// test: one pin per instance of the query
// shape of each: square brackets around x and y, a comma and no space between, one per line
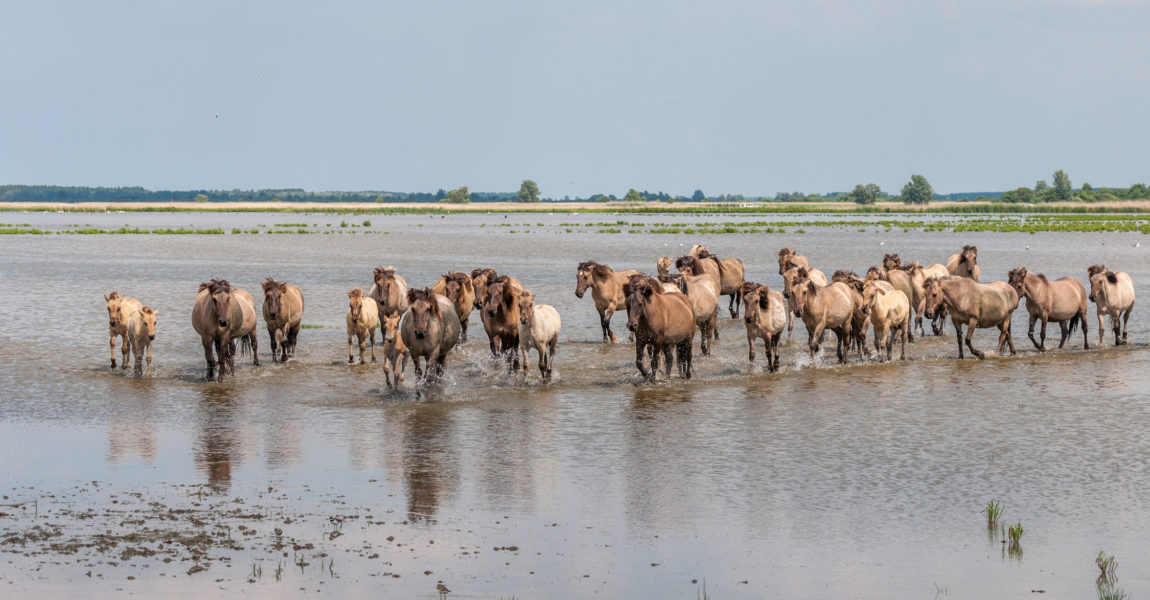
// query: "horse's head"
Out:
[873,274]
[498,295]
[583,277]
[1097,276]
[423,307]
[639,288]
[689,264]
[479,279]
[355,303]
[755,299]
[220,292]
[455,284]
[791,278]
[969,256]
[663,265]
[891,261]
[148,314]
[114,301]
[802,289]
[390,328]
[526,307]
[785,256]
[933,296]
[869,291]
[384,279]
[273,294]
[1017,280]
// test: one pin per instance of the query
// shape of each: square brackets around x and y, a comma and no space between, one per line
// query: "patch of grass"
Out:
[310,326]
[1108,565]
[367,222]
[992,511]
[1014,534]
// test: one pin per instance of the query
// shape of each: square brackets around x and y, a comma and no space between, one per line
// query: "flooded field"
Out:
[820,481]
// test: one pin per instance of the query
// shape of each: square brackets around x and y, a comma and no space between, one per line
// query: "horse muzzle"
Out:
[112,323]
[491,313]
[578,293]
[798,313]
[272,315]
[419,335]
[151,338]
[223,322]
[748,320]
[928,314]
[1092,299]
[787,295]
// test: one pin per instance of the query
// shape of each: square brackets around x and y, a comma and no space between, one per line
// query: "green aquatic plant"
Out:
[1108,565]
[992,511]
[1014,533]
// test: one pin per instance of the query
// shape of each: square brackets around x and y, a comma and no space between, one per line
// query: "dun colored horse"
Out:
[141,333]
[120,309]
[790,277]
[222,315]
[1113,294]
[704,297]
[788,260]
[694,266]
[283,312]
[860,322]
[974,306]
[822,308]
[889,311]
[901,281]
[539,326]
[458,288]
[394,352]
[660,321]
[481,277]
[965,263]
[429,329]
[918,275]
[501,320]
[663,265]
[765,317]
[389,291]
[606,290]
[732,277]
[1062,300]
[362,320]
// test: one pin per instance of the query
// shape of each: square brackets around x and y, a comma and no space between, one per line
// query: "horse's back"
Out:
[777,319]
[450,325]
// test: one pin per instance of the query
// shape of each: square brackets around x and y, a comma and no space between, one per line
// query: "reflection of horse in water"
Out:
[430,462]
[132,430]
[218,444]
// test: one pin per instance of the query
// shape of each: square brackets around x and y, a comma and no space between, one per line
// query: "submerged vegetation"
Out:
[992,511]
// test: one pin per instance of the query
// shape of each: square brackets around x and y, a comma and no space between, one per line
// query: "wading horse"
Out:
[221,316]
[661,322]
[606,287]
[1112,293]
[283,312]
[974,306]
[1062,301]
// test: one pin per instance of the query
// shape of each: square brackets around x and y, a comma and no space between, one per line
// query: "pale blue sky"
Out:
[583,97]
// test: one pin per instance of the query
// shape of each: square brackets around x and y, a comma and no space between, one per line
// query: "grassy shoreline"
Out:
[964,208]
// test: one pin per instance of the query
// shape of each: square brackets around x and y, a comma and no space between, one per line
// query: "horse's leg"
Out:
[605,317]
[124,350]
[1101,324]
[112,347]
[1065,333]
[970,329]
[656,352]
[751,350]
[272,343]
[1042,335]
[402,368]
[388,365]
[842,339]
[773,341]
[1125,320]
[1117,327]
[149,358]
[350,348]
[1030,332]
[668,356]
[639,359]
[512,345]
[551,347]
[209,357]
[371,339]
[1085,336]
[255,347]
[815,337]
[139,370]
[463,330]
[704,334]
[957,334]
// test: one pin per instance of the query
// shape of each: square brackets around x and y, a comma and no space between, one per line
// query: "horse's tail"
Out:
[246,344]
[1073,322]
[681,282]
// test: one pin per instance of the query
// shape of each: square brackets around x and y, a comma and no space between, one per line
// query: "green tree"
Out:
[602,198]
[632,196]
[1086,187]
[698,196]
[459,195]
[1022,194]
[201,198]
[917,190]
[865,194]
[528,191]
[1062,188]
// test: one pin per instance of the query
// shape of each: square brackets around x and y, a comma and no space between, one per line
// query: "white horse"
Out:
[362,319]
[539,330]
[141,333]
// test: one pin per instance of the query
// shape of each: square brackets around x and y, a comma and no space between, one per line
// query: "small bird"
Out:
[443,591]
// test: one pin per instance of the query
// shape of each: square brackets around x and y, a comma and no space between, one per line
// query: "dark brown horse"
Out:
[501,319]
[660,321]
[1062,301]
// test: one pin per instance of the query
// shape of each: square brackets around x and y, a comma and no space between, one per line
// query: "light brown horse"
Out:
[694,266]
[790,277]
[1112,293]
[430,329]
[973,305]
[788,260]
[918,275]
[1063,301]
[663,265]
[459,288]
[539,326]
[141,334]
[120,309]
[704,297]
[732,277]
[389,291]
[394,352]
[822,308]
[765,316]
[362,320]
[860,322]
[222,315]
[283,312]
[965,263]
[889,311]
[901,281]
[660,321]
[606,290]
[501,320]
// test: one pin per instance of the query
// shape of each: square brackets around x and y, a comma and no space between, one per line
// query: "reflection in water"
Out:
[218,444]
[133,431]
[430,460]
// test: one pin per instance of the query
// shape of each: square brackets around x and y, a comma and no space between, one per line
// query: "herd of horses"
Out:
[664,312]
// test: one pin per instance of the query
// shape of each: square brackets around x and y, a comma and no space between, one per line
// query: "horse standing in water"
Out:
[1062,301]
[429,329]
[283,312]
[120,309]
[1112,292]
[606,287]
[974,306]
[660,321]
[458,288]
[222,315]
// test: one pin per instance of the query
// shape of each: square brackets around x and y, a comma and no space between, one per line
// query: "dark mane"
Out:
[970,249]
[587,265]
[414,295]
[481,271]
[355,294]
[690,262]
[785,252]
[114,294]
[270,284]
[147,310]
[705,254]
[381,272]
[1016,275]
[457,277]
[675,278]
[216,286]
[1093,270]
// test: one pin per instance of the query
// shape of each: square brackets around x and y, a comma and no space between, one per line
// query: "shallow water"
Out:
[857,481]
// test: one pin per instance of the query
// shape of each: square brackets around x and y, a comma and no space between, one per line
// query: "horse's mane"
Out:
[148,310]
[844,276]
[113,295]
[675,278]
[355,294]
[414,295]
[641,279]
[785,252]
[270,283]
[457,277]
[691,263]
[970,249]
[750,286]
[705,254]
[1015,274]
[894,257]
[875,271]
[384,272]
[480,271]
[217,286]
[1093,270]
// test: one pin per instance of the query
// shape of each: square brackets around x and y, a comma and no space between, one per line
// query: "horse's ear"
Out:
[1112,277]
[411,296]
[433,302]
[468,285]
[812,289]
